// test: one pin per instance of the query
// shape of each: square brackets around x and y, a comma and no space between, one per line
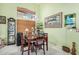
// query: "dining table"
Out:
[35,38]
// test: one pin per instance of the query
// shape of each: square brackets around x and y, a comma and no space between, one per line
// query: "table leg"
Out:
[46,43]
[28,46]
[43,47]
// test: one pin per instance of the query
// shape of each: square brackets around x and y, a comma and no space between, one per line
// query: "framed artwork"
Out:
[70,21]
[54,21]
[2,20]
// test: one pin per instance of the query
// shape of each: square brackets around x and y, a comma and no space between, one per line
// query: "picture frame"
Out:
[70,21]
[2,19]
[54,21]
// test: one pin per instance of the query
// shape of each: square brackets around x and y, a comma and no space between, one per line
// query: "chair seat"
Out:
[40,42]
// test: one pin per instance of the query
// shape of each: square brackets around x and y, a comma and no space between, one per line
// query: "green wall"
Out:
[61,36]
[57,36]
[10,10]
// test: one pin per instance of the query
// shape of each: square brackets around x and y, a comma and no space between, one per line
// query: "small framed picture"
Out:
[2,19]
[70,21]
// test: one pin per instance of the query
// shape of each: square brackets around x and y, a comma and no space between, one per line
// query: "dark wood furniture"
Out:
[36,40]
[36,45]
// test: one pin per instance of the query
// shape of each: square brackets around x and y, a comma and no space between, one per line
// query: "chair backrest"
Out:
[22,40]
[46,35]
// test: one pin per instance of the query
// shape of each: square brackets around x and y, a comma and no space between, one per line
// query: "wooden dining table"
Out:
[35,38]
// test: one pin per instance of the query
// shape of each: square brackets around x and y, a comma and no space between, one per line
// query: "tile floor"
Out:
[15,50]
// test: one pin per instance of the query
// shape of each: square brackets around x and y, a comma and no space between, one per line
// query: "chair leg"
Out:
[29,46]
[47,46]
[28,50]
[22,51]
[43,48]
[36,50]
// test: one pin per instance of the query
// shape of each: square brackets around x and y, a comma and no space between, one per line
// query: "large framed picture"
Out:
[54,21]
[70,21]
[2,19]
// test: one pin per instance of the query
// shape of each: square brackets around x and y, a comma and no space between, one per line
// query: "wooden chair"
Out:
[23,44]
[36,44]
[39,43]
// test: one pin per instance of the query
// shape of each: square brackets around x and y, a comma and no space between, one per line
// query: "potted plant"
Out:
[40,28]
